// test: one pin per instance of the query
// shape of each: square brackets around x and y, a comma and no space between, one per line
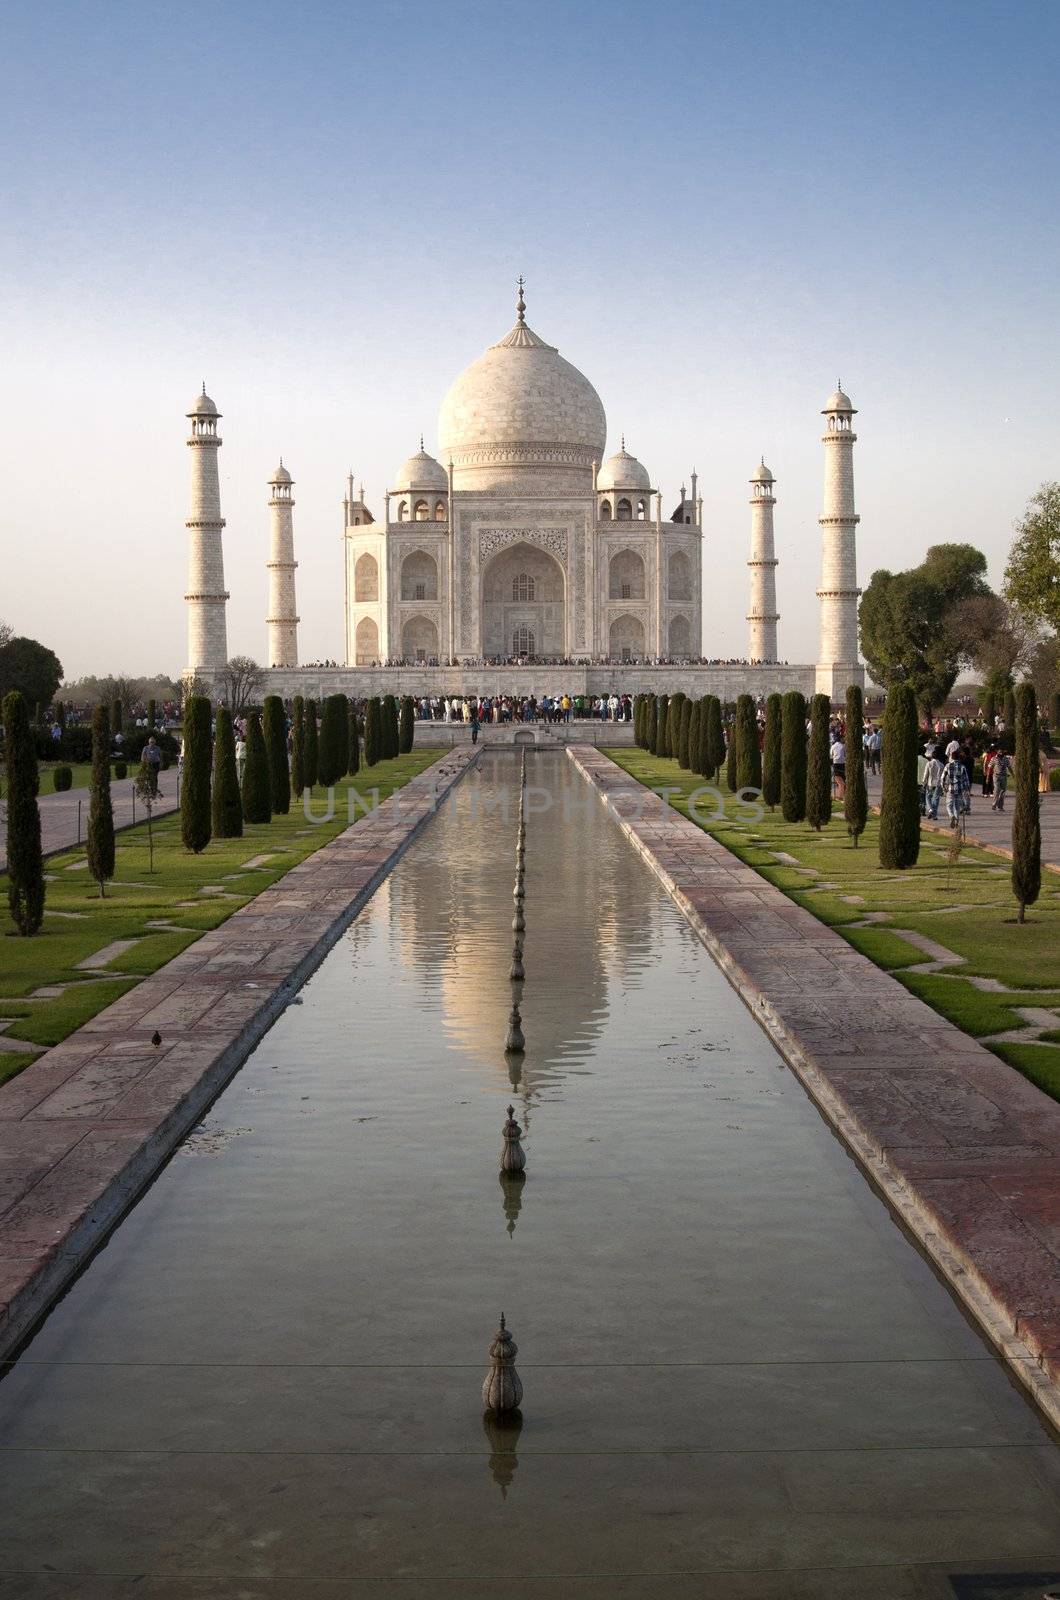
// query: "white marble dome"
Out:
[623,471]
[837,401]
[421,471]
[762,474]
[202,406]
[521,414]
[281,475]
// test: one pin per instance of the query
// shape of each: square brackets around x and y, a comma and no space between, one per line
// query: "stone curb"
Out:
[1028,1342]
[81,1186]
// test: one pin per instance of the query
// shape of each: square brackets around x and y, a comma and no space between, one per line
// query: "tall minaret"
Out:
[837,659]
[206,596]
[762,613]
[282,620]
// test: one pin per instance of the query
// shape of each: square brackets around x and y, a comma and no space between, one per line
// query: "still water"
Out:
[740,1378]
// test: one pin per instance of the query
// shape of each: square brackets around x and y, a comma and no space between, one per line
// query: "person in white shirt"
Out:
[838,754]
[932,783]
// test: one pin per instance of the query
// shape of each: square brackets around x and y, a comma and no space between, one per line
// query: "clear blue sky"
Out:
[321,210]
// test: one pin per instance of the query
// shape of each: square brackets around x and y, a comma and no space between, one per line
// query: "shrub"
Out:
[121,769]
[275,735]
[256,791]
[900,800]
[855,797]
[25,862]
[354,740]
[407,725]
[227,805]
[819,767]
[748,755]
[1026,821]
[311,744]
[99,839]
[62,779]
[371,734]
[793,756]
[771,753]
[195,783]
[334,755]
[297,746]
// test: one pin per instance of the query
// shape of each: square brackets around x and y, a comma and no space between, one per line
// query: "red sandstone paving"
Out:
[974,1142]
[76,1123]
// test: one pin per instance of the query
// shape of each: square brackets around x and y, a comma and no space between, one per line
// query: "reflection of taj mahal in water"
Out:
[521,542]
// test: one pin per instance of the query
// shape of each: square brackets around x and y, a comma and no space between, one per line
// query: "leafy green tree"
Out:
[906,632]
[793,756]
[275,733]
[748,756]
[771,753]
[25,862]
[662,712]
[715,737]
[819,765]
[855,795]
[900,799]
[311,744]
[407,725]
[145,787]
[30,669]
[195,782]
[1026,821]
[354,740]
[99,838]
[297,746]
[334,755]
[226,804]
[1032,576]
[372,734]
[256,789]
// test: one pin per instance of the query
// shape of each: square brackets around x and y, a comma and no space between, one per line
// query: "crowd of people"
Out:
[504,708]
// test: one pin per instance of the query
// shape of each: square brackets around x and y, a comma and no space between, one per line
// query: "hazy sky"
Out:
[321,209]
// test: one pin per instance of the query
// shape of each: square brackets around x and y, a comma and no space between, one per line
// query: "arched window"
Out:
[605,510]
[403,511]
[625,511]
[522,588]
[439,511]
[366,578]
[642,510]
[421,511]
[523,642]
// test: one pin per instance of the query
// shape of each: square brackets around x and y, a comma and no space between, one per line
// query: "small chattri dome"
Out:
[203,406]
[762,474]
[421,471]
[281,475]
[623,471]
[838,401]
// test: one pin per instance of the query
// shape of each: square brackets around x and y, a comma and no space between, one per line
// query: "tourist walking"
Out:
[838,755]
[957,789]
[474,721]
[241,756]
[1002,768]
[152,760]
[932,783]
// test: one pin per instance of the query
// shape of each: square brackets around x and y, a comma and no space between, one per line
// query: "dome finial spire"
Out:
[520,304]
[623,441]
[421,443]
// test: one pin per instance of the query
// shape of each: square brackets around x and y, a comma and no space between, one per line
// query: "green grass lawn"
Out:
[77,923]
[965,905]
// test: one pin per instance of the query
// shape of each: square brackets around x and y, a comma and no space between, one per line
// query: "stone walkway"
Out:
[85,1128]
[965,1150]
[62,828]
[993,829]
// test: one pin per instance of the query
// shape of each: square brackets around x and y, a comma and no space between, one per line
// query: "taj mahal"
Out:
[523,554]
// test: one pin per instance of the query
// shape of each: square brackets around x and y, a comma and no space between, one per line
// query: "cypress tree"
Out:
[819,765]
[256,792]
[900,800]
[730,760]
[748,755]
[855,797]
[353,728]
[195,783]
[636,719]
[407,726]
[150,716]
[1026,821]
[651,723]
[715,737]
[1010,709]
[703,741]
[771,753]
[684,735]
[275,732]
[334,756]
[793,756]
[989,708]
[226,807]
[117,720]
[99,838]
[371,733]
[673,725]
[312,748]
[663,712]
[695,713]
[297,746]
[25,862]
